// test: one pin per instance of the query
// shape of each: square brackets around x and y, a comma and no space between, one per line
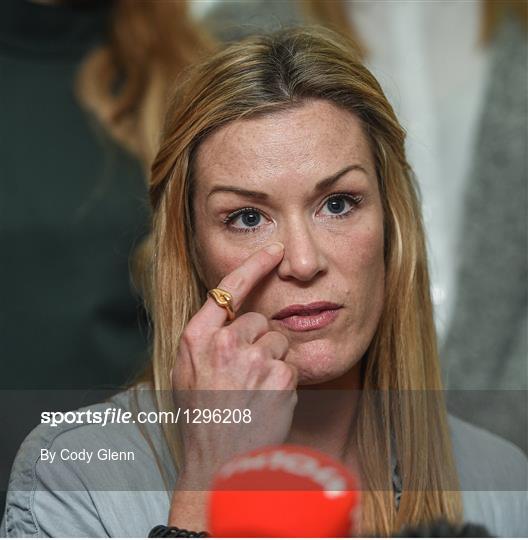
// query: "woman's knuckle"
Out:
[225,340]
[233,282]
[190,337]
[255,355]
[260,319]
[282,340]
[283,374]
[278,339]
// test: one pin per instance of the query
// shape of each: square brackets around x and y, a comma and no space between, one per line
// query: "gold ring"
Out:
[223,299]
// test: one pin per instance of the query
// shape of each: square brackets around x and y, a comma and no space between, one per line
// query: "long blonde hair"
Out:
[258,76]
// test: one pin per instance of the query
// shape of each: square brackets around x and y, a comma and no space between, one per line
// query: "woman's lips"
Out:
[314,321]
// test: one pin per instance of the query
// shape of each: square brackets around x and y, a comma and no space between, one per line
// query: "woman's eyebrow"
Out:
[322,185]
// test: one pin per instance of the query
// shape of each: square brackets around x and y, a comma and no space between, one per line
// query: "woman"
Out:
[284,141]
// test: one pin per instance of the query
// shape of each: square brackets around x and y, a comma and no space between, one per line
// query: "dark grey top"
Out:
[127,498]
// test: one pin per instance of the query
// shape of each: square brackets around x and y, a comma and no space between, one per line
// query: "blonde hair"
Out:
[259,76]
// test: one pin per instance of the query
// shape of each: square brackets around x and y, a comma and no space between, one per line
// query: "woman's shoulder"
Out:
[493,475]
[87,478]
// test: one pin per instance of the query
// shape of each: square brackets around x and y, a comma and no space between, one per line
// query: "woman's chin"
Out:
[318,364]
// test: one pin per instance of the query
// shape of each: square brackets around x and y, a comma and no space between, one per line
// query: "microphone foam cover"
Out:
[284,491]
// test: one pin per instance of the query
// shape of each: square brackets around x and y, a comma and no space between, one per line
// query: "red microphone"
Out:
[284,491]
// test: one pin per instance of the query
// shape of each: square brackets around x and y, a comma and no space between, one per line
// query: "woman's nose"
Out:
[303,254]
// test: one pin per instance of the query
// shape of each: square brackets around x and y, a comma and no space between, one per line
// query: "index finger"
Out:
[239,283]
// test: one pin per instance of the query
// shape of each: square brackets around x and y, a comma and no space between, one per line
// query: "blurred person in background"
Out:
[486,347]
[456,74]
[83,87]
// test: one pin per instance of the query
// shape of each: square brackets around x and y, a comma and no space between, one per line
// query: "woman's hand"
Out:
[235,367]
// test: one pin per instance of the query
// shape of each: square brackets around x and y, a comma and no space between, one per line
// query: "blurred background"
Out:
[82,96]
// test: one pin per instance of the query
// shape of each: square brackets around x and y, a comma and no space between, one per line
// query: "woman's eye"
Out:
[337,203]
[248,219]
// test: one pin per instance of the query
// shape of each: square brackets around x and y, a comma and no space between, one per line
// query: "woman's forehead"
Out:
[315,140]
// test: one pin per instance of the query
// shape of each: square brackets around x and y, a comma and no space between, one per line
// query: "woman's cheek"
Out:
[369,244]
[358,252]
[220,263]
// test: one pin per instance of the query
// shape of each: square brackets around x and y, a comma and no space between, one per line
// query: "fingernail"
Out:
[275,248]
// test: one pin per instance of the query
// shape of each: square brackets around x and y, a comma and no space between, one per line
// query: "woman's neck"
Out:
[325,414]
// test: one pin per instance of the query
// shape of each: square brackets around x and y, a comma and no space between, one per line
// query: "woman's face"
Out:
[333,236]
